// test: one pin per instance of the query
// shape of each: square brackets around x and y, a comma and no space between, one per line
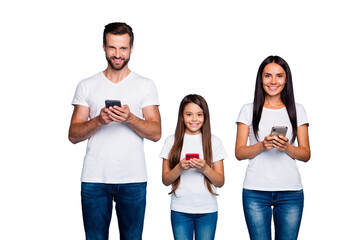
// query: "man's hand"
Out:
[118,114]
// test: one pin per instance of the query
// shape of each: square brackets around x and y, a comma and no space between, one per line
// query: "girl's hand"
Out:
[281,142]
[184,164]
[198,163]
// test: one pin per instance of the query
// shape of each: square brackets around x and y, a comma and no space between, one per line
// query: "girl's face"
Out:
[273,79]
[193,118]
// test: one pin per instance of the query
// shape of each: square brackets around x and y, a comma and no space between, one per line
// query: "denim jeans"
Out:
[260,206]
[184,225]
[97,204]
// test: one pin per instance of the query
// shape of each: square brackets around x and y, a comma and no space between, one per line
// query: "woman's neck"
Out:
[273,102]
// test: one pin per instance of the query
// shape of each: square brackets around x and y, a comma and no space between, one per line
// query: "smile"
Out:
[273,88]
[118,60]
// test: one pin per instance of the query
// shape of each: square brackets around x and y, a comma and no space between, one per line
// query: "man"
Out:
[114,165]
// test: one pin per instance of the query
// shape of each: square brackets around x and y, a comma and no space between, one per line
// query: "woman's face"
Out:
[273,79]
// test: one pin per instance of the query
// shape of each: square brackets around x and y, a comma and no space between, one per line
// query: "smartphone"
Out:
[188,156]
[111,103]
[281,130]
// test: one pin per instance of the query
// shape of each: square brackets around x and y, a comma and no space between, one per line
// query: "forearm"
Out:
[79,132]
[299,153]
[217,179]
[145,128]
[247,152]
[170,177]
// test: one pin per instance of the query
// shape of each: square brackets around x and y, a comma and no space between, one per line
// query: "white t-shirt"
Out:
[272,170]
[192,195]
[115,153]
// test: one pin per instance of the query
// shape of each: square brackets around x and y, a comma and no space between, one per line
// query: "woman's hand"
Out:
[268,142]
[276,141]
[281,142]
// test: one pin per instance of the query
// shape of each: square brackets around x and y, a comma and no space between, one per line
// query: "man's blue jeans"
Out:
[286,206]
[185,224]
[97,204]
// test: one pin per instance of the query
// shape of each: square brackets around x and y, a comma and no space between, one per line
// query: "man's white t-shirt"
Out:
[115,153]
[271,170]
[192,195]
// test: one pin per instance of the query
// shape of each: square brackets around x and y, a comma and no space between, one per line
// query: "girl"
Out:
[193,200]
[272,177]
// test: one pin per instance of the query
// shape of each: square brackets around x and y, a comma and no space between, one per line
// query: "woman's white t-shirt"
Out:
[271,170]
[192,195]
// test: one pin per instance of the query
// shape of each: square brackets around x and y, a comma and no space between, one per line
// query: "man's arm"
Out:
[81,128]
[150,128]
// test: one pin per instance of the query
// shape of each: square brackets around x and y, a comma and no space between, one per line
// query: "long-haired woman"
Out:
[272,186]
[194,180]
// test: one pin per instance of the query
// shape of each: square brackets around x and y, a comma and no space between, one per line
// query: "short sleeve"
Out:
[245,115]
[151,95]
[218,149]
[301,115]
[169,142]
[80,95]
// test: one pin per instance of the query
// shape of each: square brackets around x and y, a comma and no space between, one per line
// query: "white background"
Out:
[212,48]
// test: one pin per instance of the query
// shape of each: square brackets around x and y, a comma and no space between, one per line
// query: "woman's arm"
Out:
[302,152]
[242,151]
[170,175]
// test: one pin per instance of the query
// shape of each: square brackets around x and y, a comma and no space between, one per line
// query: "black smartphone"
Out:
[281,130]
[111,103]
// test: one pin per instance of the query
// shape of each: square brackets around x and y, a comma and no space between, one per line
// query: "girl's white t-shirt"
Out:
[192,195]
[272,170]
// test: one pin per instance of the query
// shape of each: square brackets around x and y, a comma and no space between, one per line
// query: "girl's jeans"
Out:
[185,224]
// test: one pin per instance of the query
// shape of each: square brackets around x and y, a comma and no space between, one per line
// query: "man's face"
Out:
[117,50]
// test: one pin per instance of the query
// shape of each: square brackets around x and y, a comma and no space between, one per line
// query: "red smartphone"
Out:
[188,156]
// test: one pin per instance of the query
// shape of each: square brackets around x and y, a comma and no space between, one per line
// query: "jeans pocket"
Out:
[297,193]
[249,190]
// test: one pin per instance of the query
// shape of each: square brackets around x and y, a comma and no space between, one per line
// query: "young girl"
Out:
[272,184]
[193,200]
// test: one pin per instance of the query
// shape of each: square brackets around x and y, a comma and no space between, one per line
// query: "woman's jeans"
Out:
[97,204]
[286,206]
[184,225]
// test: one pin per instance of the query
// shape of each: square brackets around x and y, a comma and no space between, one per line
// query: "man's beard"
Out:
[118,68]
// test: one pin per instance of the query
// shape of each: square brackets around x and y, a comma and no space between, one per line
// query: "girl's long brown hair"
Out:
[175,152]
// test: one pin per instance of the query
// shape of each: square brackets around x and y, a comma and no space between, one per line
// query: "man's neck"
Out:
[116,76]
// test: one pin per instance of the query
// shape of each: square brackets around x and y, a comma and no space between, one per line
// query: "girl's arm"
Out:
[170,175]
[214,174]
[242,151]
[302,152]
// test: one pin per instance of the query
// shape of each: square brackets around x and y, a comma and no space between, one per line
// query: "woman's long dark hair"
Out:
[175,152]
[287,96]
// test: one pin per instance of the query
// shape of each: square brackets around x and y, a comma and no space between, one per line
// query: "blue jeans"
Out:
[184,225]
[97,204]
[286,206]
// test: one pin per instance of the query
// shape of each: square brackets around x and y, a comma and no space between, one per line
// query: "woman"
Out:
[272,183]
